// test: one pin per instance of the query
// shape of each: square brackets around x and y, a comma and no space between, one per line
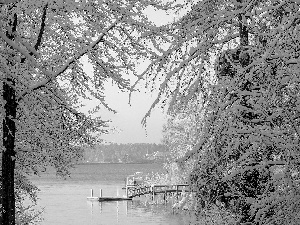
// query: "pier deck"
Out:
[136,188]
[108,199]
[139,190]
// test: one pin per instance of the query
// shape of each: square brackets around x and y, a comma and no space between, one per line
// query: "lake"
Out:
[65,202]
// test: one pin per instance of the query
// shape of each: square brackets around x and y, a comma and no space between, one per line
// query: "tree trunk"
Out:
[8,154]
[9,130]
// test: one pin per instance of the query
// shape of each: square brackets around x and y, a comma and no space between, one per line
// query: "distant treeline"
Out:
[125,153]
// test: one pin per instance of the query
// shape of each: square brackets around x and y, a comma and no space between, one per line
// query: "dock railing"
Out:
[136,188]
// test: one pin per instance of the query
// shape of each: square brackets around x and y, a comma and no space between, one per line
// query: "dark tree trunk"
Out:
[8,155]
[9,130]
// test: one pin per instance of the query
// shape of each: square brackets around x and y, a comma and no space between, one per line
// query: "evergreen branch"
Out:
[292,123]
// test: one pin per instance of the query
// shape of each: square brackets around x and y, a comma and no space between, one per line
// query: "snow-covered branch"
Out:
[51,76]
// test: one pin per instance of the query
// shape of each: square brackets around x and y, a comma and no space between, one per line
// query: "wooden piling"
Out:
[153,192]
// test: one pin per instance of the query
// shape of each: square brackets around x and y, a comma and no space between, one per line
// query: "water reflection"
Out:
[137,212]
[65,201]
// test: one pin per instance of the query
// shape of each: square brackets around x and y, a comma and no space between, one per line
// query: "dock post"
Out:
[91,192]
[153,192]
[165,198]
[100,193]
[126,186]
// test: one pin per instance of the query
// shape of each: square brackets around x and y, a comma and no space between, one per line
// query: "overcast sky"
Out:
[127,120]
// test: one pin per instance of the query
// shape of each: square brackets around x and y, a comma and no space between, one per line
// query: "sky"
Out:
[127,121]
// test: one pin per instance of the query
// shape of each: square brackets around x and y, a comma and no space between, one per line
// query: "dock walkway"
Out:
[139,190]
[137,187]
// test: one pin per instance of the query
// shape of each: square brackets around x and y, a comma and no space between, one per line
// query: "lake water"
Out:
[65,201]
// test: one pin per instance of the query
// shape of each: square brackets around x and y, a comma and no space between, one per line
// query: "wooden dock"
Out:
[139,190]
[108,199]
[136,188]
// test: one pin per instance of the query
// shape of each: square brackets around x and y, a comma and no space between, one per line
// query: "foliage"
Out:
[215,215]
[42,45]
[27,211]
[181,135]
[157,178]
[250,100]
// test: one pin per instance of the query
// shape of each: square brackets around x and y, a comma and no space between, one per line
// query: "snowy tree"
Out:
[42,47]
[180,135]
[248,155]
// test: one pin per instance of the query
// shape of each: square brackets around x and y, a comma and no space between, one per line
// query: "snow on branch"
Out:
[31,50]
[49,75]
[18,48]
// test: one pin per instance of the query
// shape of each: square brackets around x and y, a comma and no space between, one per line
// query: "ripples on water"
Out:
[65,200]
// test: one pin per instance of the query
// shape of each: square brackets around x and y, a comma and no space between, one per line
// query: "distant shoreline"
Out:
[83,163]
